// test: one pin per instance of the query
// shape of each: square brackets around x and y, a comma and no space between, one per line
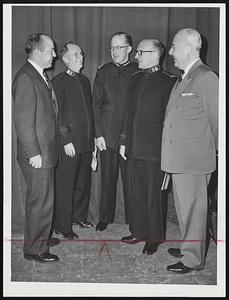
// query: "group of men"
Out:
[141,119]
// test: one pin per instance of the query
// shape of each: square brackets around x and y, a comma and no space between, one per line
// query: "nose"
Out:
[53,53]
[171,51]
[136,55]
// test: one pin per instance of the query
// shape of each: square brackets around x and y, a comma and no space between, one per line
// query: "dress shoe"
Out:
[68,236]
[131,240]
[42,257]
[53,242]
[101,226]
[150,248]
[84,224]
[175,252]
[180,268]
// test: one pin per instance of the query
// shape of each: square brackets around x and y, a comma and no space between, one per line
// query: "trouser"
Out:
[38,208]
[148,205]
[190,197]
[110,163]
[72,190]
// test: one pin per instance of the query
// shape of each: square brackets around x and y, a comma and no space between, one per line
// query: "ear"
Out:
[65,59]
[129,49]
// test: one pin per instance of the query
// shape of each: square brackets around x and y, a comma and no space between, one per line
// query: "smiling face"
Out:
[180,51]
[73,58]
[120,49]
[47,52]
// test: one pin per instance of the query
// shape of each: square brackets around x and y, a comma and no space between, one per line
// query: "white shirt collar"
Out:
[189,67]
[38,68]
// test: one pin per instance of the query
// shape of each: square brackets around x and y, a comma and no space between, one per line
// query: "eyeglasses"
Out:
[139,52]
[118,48]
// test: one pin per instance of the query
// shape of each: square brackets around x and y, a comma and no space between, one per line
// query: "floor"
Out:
[100,257]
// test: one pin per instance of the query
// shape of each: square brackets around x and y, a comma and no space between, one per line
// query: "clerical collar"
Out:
[122,65]
[71,73]
[152,69]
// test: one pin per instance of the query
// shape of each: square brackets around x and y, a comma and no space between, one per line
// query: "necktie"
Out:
[51,90]
[179,78]
[47,80]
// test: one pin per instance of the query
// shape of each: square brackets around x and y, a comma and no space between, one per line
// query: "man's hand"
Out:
[101,144]
[36,161]
[122,151]
[69,150]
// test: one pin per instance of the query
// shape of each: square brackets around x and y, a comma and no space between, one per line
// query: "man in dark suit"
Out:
[109,95]
[189,145]
[147,97]
[73,173]
[35,116]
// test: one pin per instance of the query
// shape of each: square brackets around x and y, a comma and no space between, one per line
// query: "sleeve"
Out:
[63,119]
[24,114]
[210,95]
[98,99]
[125,120]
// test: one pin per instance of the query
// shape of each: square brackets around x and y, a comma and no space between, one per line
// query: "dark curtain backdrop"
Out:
[91,28]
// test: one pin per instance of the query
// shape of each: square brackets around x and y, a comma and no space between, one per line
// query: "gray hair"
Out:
[193,37]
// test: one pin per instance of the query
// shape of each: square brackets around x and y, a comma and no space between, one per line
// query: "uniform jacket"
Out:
[35,117]
[75,111]
[190,131]
[147,97]
[109,96]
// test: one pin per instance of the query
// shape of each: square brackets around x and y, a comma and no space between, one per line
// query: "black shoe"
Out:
[68,236]
[175,252]
[131,240]
[53,242]
[150,248]
[42,257]
[101,226]
[84,224]
[180,268]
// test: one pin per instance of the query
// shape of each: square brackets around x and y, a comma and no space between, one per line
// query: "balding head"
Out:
[185,47]
[148,53]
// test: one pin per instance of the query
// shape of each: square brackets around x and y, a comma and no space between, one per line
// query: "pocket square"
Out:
[187,94]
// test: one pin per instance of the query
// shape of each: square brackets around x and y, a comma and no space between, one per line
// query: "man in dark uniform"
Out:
[73,174]
[109,96]
[147,97]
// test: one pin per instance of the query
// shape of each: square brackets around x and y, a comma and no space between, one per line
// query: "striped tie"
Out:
[47,80]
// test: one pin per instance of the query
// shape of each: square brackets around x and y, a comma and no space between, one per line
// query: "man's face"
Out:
[119,49]
[74,58]
[146,59]
[179,51]
[48,52]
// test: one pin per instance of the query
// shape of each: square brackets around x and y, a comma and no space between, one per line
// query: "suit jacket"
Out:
[109,97]
[35,116]
[190,133]
[147,97]
[75,111]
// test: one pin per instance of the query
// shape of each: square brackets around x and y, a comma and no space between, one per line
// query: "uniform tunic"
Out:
[148,94]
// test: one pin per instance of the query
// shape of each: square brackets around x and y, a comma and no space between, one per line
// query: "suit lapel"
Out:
[180,87]
[51,93]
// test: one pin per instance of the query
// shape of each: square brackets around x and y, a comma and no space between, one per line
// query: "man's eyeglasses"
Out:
[139,52]
[118,48]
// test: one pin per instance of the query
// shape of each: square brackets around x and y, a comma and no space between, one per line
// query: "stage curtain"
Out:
[91,28]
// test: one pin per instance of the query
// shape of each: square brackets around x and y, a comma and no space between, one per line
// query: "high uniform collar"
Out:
[152,69]
[71,73]
[122,65]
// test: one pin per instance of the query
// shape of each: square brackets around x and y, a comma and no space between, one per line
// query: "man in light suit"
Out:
[35,116]
[189,145]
